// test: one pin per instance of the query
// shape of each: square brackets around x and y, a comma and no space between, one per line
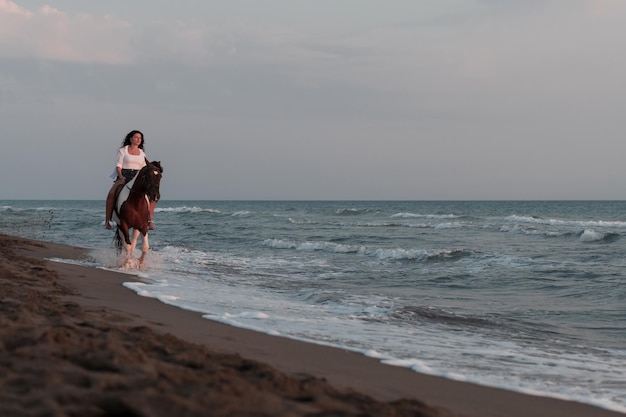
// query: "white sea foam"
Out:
[297,221]
[242,213]
[246,315]
[591,236]
[561,222]
[373,354]
[426,216]
[185,209]
[352,211]
[311,246]
[449,225]
[398,254]
[384,254]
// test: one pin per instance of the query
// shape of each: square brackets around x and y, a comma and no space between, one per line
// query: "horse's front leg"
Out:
[130,249]
[133,242]
[145,247]
[123,230]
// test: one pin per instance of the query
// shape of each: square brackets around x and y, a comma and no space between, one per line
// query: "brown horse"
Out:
[132,209]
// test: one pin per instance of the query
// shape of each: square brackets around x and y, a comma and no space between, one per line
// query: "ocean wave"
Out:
[295,221]
[444,225]
[586,235]
[450,225]
[559,222]
[12,209]
[424,216]
[383,254]
[590,235]
[354,211]
[435,315]
[419,254]
[380,224]
[186,209]
[396,224]
[532,230]
[242,213]
[311,246]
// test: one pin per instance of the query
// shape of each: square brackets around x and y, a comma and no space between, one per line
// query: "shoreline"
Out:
[359,380]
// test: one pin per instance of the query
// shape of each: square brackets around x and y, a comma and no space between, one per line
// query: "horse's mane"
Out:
[155,164]
[152,165]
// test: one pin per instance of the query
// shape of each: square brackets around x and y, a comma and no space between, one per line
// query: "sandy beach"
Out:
[75,342]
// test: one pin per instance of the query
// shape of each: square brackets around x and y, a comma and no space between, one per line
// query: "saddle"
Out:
[122,191]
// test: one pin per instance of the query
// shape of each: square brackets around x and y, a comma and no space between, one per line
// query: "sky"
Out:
[317,99]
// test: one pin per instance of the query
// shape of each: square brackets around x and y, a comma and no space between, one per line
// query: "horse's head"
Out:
[154,172]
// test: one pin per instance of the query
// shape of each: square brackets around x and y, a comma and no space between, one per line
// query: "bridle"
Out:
[153,195]
[150,191]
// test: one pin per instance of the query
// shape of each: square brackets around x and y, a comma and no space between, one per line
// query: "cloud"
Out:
[490,58]
[9,7]
[48,33]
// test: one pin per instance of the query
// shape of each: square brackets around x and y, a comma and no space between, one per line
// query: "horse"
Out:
[132,210]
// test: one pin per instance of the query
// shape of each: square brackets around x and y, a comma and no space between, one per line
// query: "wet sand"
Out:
[75,342]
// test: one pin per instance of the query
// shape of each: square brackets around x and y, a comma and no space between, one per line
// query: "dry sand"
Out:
[75,342]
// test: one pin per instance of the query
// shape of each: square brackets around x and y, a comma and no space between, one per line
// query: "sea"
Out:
[528,296]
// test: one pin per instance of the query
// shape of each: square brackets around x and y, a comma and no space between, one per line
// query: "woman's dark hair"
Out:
[129,137]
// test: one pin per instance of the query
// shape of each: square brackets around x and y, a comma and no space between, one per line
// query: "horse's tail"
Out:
[118,240]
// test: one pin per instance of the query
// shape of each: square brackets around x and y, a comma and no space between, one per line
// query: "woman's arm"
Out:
[120,162]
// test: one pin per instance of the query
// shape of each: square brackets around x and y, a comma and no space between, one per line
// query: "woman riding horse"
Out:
[130,159]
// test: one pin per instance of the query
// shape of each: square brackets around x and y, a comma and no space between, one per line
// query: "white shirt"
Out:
[128,161]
